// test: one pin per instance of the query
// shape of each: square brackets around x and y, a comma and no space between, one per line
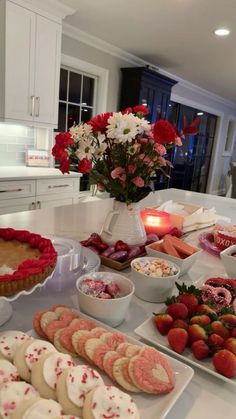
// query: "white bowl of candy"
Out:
[105,296]
[228,257]
[154,278]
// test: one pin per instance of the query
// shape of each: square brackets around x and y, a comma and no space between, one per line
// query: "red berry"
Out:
[215,342]
[228,319]
[233,333]
[200,349]
[178,339]
[180,323]
[177,311]
[204,309]
[163,323]
[224,362]
[218,328]
[196,332]
[190,301]
[230,344]
[201,319]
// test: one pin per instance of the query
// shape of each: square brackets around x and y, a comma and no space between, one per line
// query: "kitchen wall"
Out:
[95,51]
[14,141]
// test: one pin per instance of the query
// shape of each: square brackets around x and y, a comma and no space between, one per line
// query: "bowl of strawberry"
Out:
[200,324]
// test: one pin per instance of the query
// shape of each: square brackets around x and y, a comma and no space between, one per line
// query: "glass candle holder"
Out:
[154,221]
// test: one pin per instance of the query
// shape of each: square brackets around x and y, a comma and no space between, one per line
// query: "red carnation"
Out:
[126,111]
[141,109]
[64,139]
[65,166]
[164,132]
[59,152]
[84,166]
[99,122]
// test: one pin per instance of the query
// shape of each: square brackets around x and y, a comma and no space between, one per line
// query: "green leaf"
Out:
[183,289]
[171,300]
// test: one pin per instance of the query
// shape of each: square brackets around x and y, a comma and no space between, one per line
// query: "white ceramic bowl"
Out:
[229,261]
[184,264]
[111,311]
[153,289]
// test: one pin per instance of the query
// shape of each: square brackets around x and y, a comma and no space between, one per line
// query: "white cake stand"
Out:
[5,302]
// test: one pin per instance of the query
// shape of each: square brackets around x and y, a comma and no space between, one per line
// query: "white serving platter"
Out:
[148,331]
[151,406]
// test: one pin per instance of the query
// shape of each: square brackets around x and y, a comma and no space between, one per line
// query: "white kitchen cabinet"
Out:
[8,206]
[30,48]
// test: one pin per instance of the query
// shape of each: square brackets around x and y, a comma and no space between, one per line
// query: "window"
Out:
[76,98]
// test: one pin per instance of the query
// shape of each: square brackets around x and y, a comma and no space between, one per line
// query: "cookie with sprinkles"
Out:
[10,340]
[109,402]
[73,385]
[12,394]
[8,372]
[37,409]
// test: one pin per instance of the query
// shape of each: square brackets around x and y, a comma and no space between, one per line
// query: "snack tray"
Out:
[149,405]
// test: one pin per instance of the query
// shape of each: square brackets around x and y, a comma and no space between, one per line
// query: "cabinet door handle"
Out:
[57,186]
[37,99]
[39,204]
[32,107]
[33,205]
[11,190]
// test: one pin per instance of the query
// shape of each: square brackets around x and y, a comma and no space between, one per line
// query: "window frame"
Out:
[229,135]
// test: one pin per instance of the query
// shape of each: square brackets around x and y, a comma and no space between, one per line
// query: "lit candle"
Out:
[154,221]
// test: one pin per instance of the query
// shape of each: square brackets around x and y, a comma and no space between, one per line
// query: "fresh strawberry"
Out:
[224,362]
[229,320]
[200,349]
[189,296]
[196,332]
[215,342]
[120,245]
[177,311]
[233,333]
[180,323]
[201,319]
[218,328]
[205,309]
[230,344]
[178,339]
[163,322]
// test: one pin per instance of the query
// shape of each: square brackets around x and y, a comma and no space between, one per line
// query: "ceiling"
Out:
[175,35]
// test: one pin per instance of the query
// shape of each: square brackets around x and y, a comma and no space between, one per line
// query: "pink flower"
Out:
[162,161]
[160,149]
[138,181]
[117,172]
[132,168]
[178,141]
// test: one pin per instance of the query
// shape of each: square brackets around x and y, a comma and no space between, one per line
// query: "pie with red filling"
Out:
[25,260]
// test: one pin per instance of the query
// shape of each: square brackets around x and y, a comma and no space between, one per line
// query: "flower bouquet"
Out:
[120,150]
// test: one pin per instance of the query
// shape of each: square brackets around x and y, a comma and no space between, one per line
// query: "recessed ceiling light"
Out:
[200,113]
[222,32]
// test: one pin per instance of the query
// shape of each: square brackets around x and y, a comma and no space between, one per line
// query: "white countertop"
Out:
[205,396]
[23,172]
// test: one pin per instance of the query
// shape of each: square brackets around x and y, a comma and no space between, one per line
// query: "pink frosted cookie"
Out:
[12,394]
[132,350]
[8,372]
[109,402]
[45,373]
[95,349]
[121,375]
[68,315]
[37,325]
[37,409]
[29,353]
[46,319]
[121,348]
[151,372]
[113,339]
[73,385]
[66,333]
[78,341]
[98,331]
[55,325]
[10,341]
[109,358]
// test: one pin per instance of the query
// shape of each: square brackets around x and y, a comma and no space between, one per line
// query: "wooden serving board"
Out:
[119,266]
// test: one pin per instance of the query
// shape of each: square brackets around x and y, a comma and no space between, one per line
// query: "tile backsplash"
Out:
[14,141]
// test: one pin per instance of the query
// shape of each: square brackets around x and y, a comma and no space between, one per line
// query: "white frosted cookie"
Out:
[109,402]
[29,353]
[46,370]
[8,372]
[68,417]
[37,409]
[9,342]
[121,374]
[73,385]
[12,394]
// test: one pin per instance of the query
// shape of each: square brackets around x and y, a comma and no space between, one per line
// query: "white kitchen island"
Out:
[205,396]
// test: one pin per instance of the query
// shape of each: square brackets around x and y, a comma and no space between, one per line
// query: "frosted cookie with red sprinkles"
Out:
[46,370]
[151,372]
[73,385]
[67,417]
[29,353]
[37,409]
[108,402]
[8,372]
[12,394]
[10,341]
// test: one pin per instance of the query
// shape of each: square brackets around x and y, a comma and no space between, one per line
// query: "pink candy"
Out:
[99,288]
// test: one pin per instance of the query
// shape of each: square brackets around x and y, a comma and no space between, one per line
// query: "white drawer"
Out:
[55,186]
[17,189]
[8,206]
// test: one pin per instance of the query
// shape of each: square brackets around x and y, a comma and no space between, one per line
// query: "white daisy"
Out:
[142,125]
[86,150]
[122,128]
[99,151]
